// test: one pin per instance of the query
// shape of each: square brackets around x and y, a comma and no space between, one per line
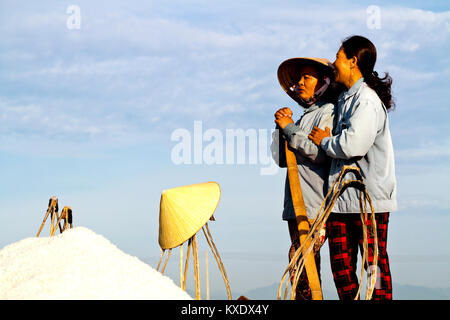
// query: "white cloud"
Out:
[31,120]
[126,71]
[426,152]
[407,203]
[408,45]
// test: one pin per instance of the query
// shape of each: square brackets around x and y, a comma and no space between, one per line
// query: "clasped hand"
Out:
[283,117]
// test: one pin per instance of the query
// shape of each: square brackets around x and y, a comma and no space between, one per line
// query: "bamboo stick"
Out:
[196,268]
[186,264]
[53,220]
[160,259]
[181,266]
[206,274]
[167,259]
[215,252]
[43,222]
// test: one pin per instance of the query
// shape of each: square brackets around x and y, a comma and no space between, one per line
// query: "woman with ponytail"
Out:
[361,138]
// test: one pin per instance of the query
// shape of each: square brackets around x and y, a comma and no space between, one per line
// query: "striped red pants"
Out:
[345,235]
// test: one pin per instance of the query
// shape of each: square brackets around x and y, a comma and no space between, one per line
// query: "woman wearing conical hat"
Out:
[309,82]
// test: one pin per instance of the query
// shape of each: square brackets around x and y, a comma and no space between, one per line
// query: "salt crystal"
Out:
[79,264]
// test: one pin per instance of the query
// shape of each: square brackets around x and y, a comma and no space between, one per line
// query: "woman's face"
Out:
[309,80]
[342,67]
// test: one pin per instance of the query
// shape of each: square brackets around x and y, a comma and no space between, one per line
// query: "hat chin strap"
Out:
[316,94]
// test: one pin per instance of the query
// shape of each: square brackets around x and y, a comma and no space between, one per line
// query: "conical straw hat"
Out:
[184,211]
[288,71]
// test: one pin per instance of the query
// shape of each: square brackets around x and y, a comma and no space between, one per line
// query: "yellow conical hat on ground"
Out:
[184,211]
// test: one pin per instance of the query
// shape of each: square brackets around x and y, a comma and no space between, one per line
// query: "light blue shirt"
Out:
[362,138]
[313,164]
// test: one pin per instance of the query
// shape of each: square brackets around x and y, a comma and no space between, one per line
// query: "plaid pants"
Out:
[345,235]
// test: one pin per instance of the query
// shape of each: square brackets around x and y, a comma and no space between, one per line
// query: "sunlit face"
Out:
[342,67]
[308,83]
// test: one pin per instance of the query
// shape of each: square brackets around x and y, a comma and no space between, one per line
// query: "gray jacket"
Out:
[313,164]
[362,138]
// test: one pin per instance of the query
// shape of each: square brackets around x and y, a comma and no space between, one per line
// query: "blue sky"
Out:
[87,115]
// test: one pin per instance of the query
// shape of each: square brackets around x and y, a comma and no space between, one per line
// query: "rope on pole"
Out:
[297,262]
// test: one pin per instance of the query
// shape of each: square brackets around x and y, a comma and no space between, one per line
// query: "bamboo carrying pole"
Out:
[302,223]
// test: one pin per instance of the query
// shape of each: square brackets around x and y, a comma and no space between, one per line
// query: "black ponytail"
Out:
[366,53]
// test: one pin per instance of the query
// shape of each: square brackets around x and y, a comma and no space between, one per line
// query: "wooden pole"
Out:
[302,222]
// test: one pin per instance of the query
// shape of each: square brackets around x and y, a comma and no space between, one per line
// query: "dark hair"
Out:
[334,89]
[366,53]
[333,92]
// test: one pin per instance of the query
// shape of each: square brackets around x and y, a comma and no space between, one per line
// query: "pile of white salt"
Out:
[79,264]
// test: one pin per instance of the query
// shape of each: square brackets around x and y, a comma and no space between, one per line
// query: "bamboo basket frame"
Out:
[192,244]
[52,210]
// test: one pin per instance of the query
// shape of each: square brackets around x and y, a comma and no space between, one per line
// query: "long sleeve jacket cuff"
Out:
[289,130]
[323,143]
